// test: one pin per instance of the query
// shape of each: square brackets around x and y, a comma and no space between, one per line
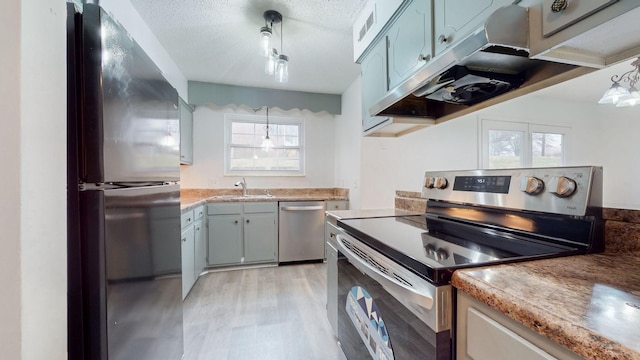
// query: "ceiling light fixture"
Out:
[274,64]
[621,96]
[267,144]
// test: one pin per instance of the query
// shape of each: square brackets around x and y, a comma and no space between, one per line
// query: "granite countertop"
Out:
[192,198]
[589,303]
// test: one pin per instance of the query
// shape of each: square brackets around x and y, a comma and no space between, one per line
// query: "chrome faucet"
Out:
[243,183]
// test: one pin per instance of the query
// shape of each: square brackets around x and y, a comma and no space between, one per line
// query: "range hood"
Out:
[488,66]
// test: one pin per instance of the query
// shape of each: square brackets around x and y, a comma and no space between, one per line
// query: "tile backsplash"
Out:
[621,226]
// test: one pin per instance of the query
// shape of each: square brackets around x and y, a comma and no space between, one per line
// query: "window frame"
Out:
[261,120]
[528,129]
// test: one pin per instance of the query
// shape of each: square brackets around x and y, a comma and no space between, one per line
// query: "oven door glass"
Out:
[372,324]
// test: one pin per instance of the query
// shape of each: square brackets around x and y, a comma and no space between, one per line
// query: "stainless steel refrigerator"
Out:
[124,263]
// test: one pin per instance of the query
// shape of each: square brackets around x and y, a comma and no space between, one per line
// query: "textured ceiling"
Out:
[217,40]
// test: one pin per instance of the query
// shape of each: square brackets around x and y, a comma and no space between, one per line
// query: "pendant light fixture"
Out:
[267,144]
[275,63]
[618,94]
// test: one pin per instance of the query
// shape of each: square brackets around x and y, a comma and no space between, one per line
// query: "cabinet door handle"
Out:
[184,239]
[247,221]
[442,39]
[424,57]
[235,222]
[301,208]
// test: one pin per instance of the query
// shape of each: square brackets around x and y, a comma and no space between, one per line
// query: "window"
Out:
[511,145]
[244,155]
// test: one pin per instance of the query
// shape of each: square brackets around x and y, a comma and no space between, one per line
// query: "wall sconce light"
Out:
[274,63]
[618,94]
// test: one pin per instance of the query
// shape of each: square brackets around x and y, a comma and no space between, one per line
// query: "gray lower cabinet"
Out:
[242,233]
[225,239]
[482,333]
[200,234]
[187,242]
[332,276]
[193,245]
[259,237]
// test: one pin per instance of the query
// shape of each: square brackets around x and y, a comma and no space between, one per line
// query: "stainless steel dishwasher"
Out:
[301,231]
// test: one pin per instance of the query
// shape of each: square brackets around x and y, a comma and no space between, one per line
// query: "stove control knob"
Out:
[562,186]
[431,250]
[429,182]
[532,185]
[442,254]
[440,183]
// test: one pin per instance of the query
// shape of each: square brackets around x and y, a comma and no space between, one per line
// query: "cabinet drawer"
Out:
[337,205]
[198,213]
[226,208]
[186,218]
[481,331]
[260,207]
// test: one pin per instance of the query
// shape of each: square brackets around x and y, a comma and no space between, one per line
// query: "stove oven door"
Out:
[380,317]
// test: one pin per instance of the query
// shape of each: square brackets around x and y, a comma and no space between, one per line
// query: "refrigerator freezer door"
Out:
[131,127]
[137,300]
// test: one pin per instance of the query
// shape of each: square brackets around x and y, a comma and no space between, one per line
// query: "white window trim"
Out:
[527,128]
[229,118]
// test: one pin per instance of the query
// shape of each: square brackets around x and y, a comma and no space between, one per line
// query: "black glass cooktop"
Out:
[434,248]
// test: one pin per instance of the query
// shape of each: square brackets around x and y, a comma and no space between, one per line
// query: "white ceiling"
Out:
[217,40]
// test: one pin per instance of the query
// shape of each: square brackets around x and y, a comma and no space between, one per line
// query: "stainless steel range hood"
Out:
[499,47]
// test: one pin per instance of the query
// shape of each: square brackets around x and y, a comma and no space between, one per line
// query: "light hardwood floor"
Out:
[263,313]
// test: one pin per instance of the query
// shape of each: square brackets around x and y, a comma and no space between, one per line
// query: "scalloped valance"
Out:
[201,93]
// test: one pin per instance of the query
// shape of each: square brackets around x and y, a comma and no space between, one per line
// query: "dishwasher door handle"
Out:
[302,208]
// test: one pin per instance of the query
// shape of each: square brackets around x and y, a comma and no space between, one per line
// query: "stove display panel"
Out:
[487,184]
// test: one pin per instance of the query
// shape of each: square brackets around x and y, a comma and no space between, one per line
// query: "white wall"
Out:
[10,274]
[207,170]
[601,135]
[347,146]
[33,191]
[617,145]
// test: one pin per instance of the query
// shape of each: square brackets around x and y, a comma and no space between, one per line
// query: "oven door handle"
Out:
[392,285]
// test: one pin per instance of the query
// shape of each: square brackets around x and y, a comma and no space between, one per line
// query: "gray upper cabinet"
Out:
[453,20]
[370,22]
[186,133]
[374,82]
[410,41]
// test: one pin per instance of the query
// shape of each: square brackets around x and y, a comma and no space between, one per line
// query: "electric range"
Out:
[397,269]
